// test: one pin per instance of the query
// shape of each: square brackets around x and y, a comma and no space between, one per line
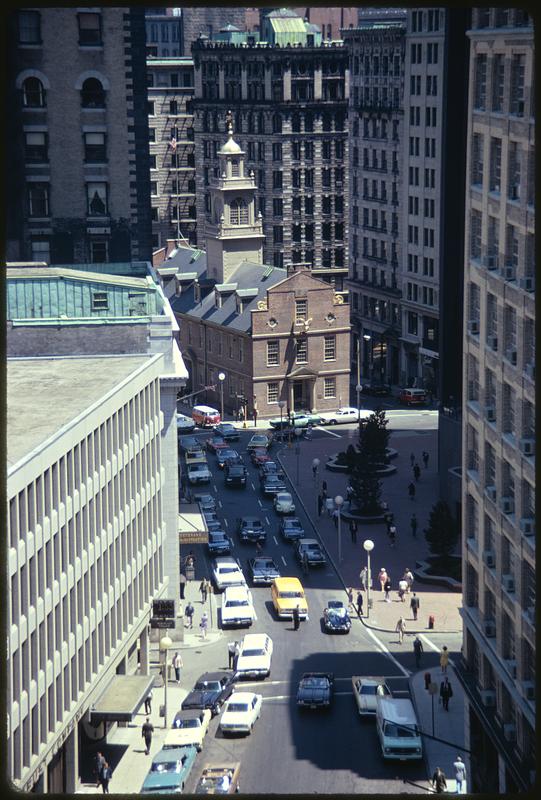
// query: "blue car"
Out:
[169,770]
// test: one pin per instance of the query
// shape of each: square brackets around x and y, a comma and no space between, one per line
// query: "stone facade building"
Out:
[79,192]
[498,405]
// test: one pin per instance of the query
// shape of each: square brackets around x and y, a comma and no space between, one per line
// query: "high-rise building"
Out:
[498,405]
[290,120]
[206,21]
[78,186]
[163,33]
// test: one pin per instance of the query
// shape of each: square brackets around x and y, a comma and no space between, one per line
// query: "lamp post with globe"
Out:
[368,545]
[165,643]
[338,501]
[221,378]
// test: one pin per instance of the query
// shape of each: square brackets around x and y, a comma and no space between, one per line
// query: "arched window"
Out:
[277,123]
[296,123]
[92,94]
[33,93]
[238,214]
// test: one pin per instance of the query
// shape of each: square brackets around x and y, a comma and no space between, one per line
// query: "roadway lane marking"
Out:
[386,651]
[260,503]
[253,485]
[215,489]
[226,523]
[275,539]
[263,683]
[220,503]
[330,433]
[268,523]
[285,562]
[289,696]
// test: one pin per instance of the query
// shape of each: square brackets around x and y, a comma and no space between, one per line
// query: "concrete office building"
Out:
[85,552]
[77,136]
[163,28]
[290,120]
[206,21]
[498,465]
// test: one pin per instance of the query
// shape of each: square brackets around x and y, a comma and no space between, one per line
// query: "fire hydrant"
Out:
[431,620]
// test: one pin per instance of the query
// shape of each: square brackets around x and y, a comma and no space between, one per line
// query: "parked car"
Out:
[287,594]
[366,689]
[220,778]
[205,416]
[206,501]
[189,727]
[291,529]
[377,389]
[227,431]
[241,712]
[195,455]
[211,690]
[198,473]
[283,503]
[188,443]
[216,443]
[226,454]
[219,543]
[254,658]
[169,770]
[298,419]
[210,516]
[310,549]
[412,397]
[345,414]
[250,529]
[336,618]
[315,690]
[214,525]
[271,485]
[262,570]
[237,607]
[184,424]
[227,572]
[235,475]
[258,440]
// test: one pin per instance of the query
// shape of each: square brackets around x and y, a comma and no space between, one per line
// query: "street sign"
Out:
[193,537]
[159,622]
[163,609]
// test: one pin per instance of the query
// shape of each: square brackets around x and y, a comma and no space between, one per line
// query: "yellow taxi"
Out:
[287,594]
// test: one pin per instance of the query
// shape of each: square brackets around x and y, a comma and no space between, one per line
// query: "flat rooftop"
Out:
[45,394]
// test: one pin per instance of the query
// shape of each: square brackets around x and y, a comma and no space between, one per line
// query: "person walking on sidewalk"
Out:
[400,629]
[177,666]
[425,459]
[146,732]
[414,605]
[320,504]
[444,659]
[460,774]
[392,535]
[359,604]
[182,585]
[99,761]
[411,491]
[204,625]
[418,651]
[382,578]
[363,576]
[231,653]
[148,703]
[413,525]
[416,471]
[402,589]
[105,776]
[387,589]
[188,613]
[446,692]
[408,576]
[439,782]
[350,599]
[335,515]
[203,589]
[412,459]
[329,505]
[353,531]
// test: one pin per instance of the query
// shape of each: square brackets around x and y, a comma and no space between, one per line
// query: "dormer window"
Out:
[235,168]
[238,212]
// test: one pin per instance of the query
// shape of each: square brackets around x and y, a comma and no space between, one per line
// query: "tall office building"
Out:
[207,21]
[163,32]
[498,465]
[77,136]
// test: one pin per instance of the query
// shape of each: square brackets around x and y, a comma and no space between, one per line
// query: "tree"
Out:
[374,437]
[370,455]
[442,531]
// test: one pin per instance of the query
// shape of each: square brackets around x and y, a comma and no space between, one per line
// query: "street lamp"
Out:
[338,501]
[298,434]
[368,545]
[281,406]
[367,338]
[315,466]
[221,378]
[165,643]
[359,389]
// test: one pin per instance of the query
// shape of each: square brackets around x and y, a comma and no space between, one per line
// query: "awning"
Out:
[191,525]
[122,699]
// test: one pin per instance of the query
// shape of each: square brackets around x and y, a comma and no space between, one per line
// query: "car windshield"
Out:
[237,707]
[217,537]
[264,564]
[294,524]
[337,613]
[167,766]
[369,689]
[208,686]
[228,454]
[284,498]
[290,594]
[252,523]
[227,570]
[187,723]
[236,603]
[315,683]
[395,731]
[257,651]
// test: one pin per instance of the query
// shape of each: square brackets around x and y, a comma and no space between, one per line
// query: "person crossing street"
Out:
[418,651]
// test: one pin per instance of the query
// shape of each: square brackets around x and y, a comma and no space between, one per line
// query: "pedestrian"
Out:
[359,604]
[446,692]
[418,650]
[255,417]
[400,628]
[258,548]
[413,525]
[349,491]
[408,576]
[182,585]
[428,681]
[148,703]
[329,505]
[177,666]
[99,761]
[350,598]
[320,504]
[414,605]
[106,774]
[392,535]
[444,659]
[412,459]
[387,588]
[388,521]
[314,470]
[353,531]
[382,578]
[189,612]
[203,590]
[190,559]
[204,625]
[363,577]
[402,588]
[460,774]
[416,472]
[411,491]
[335,515]
[324,488]
[231,653]
[439,783]
[146,732]
[425,459]
[296,618]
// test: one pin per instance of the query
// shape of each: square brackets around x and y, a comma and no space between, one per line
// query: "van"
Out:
[286,594]
[412,397]
[205,416]
[398,730]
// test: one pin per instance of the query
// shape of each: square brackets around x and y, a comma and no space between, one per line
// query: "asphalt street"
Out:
[294,751]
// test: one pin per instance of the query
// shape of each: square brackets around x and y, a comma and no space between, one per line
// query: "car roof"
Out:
[255,638]
[292,520]
[315,675]
[288,583]
[309,541]
[213,676]
[225,560]
[284,494]
[207,409]
[242,696]
[243,590]
[189,713]
[369,679]
[397,710]
[255,559]
[172,754]
[250,519]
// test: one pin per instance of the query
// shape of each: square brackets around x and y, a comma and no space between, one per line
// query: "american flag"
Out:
[173,144]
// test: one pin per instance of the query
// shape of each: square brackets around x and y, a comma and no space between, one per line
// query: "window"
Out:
[96,194]
[276,151]
[98,251]
[518,64]
[302,351]
[41,250]
[95,148]
[276,179]
[38,199]
[238,213]
[29,27]
[272,392]
[154,188]
[277,207]
[89,29]
[273,353]
[330,348]
[93,95]
[278,234]
[477,160]
[152,134]
[301,310]
[329,388]
[173,107]
[513,185]
[100,301]
[498,82]
[480,85]
[495,164]
[35,148]
[33,93]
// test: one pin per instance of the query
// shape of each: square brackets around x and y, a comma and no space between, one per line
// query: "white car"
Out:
[283,503]
[184,424]
[198,473]
[254,658]
[237,606]
[345,414]
[240,712]
[258,440]
[365,691]
[227,572]
[189,727]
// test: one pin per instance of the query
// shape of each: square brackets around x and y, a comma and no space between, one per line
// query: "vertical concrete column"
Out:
[243,83]
[221,83]
[71,750]
[313,395]
[318,82]
[268,82]
[291,396]
[287,83]
[144,652]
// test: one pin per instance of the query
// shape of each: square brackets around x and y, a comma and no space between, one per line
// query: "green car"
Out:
[298,420]
[169,770]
